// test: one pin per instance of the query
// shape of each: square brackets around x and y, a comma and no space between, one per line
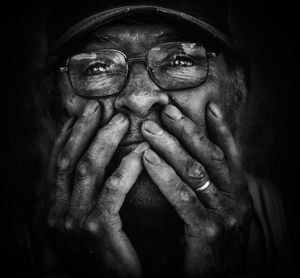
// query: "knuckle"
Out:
[69,224]
[232,222]
[185,194]
[217,156]
[71,141]
[63,164]
[212,231]
[81,125]
[239,215]
[113,182]
[73,221]
[197,137]
[55,224]
[112,185]
[118,175]
[51,222]
[200,136]
[91,226]
[196,170]
[171,179]
[83,169]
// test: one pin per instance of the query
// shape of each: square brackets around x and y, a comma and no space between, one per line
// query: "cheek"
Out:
[218,88]
[72,103]
[193,101]
[75,104]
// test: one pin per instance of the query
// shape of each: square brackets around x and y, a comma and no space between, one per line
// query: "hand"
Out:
[84,208]
[216,219]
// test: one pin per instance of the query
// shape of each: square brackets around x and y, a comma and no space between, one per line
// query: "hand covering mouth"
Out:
[134,134]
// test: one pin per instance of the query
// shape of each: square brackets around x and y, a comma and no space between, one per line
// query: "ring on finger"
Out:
[203,187]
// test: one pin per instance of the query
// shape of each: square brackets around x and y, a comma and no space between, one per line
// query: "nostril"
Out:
[119,105]
[139,102]
[123,108]
[157,108]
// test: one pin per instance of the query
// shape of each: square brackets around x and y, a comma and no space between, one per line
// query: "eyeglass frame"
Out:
[131,60]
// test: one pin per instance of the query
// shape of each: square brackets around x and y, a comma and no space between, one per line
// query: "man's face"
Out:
[142,99]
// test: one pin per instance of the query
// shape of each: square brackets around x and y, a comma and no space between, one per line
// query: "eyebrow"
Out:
[101,38]
[169,37]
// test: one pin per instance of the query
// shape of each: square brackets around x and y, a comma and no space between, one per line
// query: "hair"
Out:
[47,113]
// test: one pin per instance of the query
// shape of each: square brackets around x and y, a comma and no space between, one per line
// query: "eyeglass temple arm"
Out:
[211,54]
[63,69]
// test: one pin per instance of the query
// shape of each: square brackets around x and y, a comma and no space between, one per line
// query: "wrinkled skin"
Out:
[132,208]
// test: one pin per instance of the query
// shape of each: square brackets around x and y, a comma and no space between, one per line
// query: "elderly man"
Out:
[141,109]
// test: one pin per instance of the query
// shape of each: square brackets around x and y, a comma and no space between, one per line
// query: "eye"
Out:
[97,69]
[181,61]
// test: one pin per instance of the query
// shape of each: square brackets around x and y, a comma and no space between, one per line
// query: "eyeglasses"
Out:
[172,66]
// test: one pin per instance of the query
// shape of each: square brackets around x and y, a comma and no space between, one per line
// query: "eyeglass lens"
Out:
[172,66]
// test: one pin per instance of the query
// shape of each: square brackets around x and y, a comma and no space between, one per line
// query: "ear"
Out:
[241,107]
[241,84]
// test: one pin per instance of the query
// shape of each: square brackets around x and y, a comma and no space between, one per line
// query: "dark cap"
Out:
[71,22]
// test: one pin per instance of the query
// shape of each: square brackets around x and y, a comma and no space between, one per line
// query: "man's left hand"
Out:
[204,182]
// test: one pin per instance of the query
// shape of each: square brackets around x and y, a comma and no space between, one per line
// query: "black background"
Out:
[268,31]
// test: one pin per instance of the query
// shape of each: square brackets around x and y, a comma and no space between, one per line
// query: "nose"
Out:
[140,94]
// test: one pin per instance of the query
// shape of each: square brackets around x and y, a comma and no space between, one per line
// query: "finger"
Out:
[211,197]
[104,220]
[81,132]
[119,183]
[223,136]
[51,170]
[180,196]
[91,167]
[188,169]
[57,147]
[198,145]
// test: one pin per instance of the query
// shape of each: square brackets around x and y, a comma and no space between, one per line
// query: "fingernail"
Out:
[117,119]
[152,157]
[214,108]
[173,112]
[153,128]
[141,147]
[91,108]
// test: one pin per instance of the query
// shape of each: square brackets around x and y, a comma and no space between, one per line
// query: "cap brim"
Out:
[106,16]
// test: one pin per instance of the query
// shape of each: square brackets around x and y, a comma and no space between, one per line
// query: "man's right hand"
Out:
[82,204]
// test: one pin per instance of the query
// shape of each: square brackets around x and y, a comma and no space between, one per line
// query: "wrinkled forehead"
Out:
[136,35]
[133,37]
